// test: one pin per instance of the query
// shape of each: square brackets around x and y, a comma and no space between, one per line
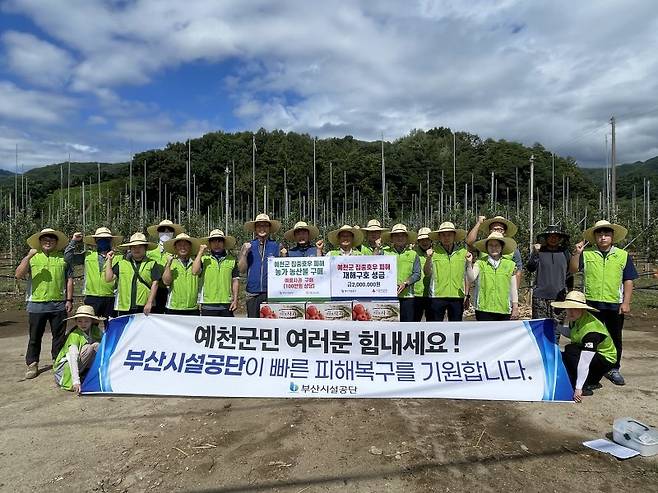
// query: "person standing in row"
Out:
[253,260]
[137,276]
[422,299]
[179,276]
[98,293]
[408,267]
[500,225]
[164,231]
[447,284]
[373,239]
[302,235]
[49,293]
[345,240]
[496,294]
[219,275]
[550,260]
[608,273]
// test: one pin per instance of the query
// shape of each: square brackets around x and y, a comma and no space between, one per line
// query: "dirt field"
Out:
[54,441]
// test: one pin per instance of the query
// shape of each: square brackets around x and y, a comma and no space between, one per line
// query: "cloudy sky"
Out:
[102,79]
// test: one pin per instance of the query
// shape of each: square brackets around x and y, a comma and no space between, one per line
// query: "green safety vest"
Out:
[124,286]
[95,284]
[509,256]
[448,273]
[366,250]
[77,337]
[157,256]
[184,289]
[217,280]
[422,287]
[405,262]
[603,276]
[336,252]
[47,280]
[589,323]
[493,286]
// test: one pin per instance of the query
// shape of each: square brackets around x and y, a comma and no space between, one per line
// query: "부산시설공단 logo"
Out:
[293,387]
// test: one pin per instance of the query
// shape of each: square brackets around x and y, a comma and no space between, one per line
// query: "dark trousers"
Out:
[132,311]
[454,307]
[253,305]
[490,316]
[422,307]
[103,306]
[597,368]
[37,326]
[160,300]
[169,311]
[217,313]
[406,309]
[614,322]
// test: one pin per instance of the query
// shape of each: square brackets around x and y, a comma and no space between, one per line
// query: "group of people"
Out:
[439,274]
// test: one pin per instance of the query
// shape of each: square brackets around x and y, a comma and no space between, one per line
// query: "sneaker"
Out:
[587,391]
[615,377]
[594,386]
[32,370]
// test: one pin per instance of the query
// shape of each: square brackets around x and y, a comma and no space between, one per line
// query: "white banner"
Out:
[364,277]
[236,357]
[298,278]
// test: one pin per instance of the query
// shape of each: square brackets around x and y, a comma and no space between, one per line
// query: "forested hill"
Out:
[356,162]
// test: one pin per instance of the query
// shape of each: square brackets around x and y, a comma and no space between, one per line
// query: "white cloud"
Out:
[37,61]
[31,105]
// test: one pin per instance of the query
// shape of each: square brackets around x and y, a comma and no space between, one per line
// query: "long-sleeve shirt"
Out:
[552,268]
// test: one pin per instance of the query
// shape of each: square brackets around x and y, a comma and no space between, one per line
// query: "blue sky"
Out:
[101,79]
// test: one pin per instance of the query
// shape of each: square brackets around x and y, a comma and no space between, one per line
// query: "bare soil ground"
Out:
[54,441]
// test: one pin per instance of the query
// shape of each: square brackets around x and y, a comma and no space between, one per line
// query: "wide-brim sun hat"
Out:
[573,299]
[138,239]
[448,227]
[218,234]
[426,234]
[374,225]
[358,235]
[313,232]
[619,231]
[552,230]
[511,227]
[509,245]
[399,228]
[170,245]
[85,311]
[263,218]
[62,239]
[166,223]
[103,233]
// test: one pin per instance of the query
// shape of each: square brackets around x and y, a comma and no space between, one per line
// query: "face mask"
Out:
[103,244]
[165,236]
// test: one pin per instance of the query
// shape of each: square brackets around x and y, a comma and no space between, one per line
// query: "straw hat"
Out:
[399,228]
[511,227]
[263,218]
[448,227]
[139,239]
[619,231]
[229,241]
[374,225]
[62,239]
[358,235]
[170,245]
[552,230]
[509,245]
[574,299]
[102,233]
[427,233]
[85,311]
[153,230]
[312,230]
